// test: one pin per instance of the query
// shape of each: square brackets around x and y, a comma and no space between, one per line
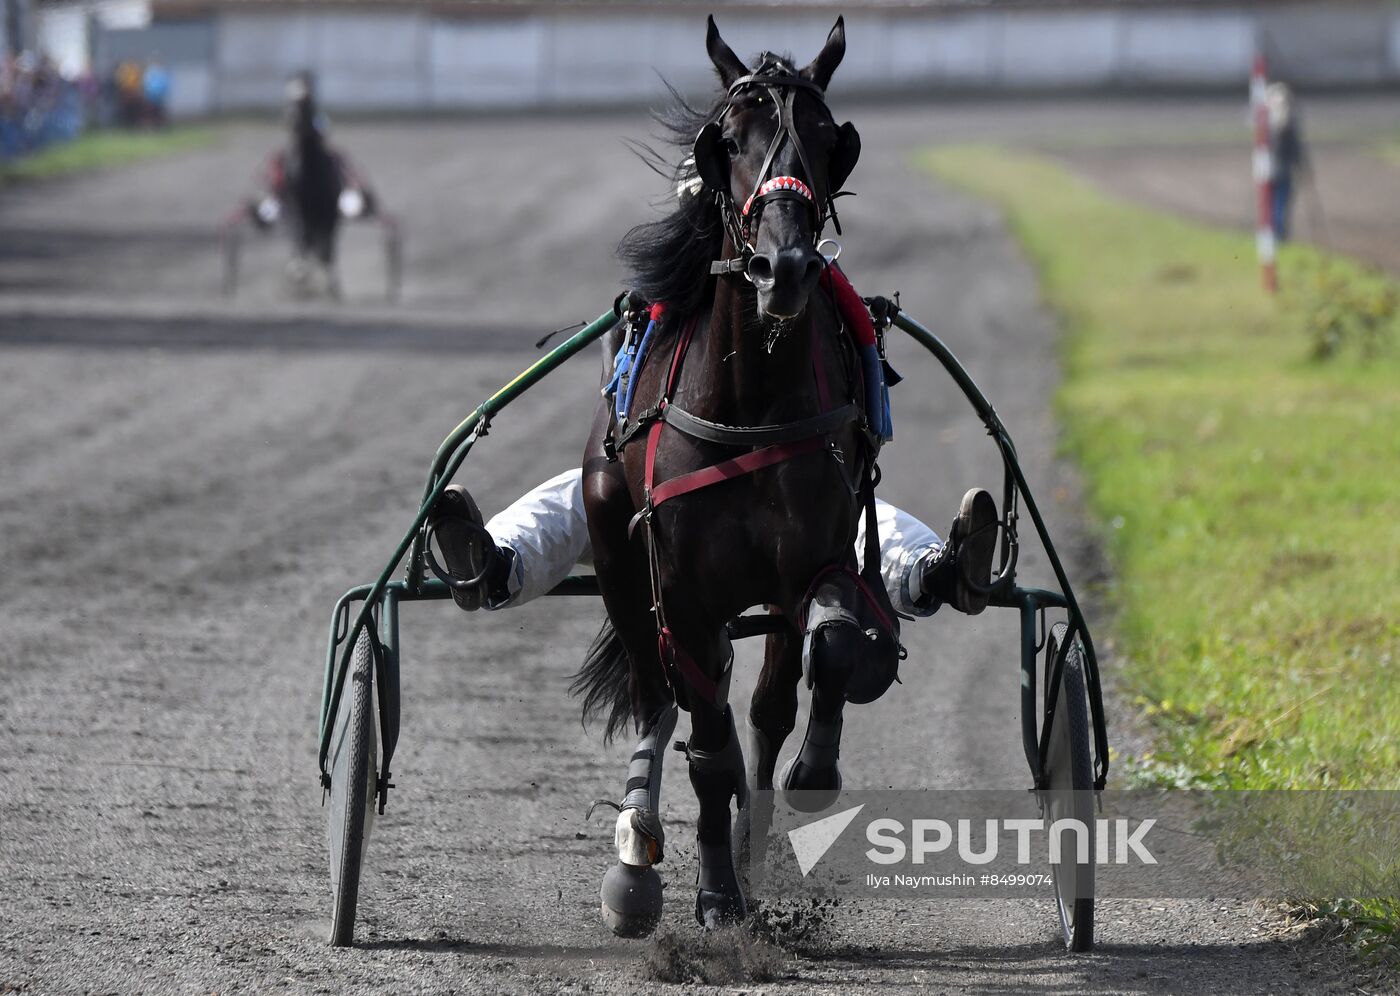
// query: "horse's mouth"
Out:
[781,306]
[768,329]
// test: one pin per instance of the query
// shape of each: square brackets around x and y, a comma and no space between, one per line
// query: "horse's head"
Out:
[775,156]
[300,97]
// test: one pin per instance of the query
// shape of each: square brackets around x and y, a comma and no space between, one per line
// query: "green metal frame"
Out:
[414,587]
[1031,602]
[384,595]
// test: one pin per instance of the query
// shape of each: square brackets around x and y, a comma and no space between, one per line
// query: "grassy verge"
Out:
[1248,491]
[104,148]
[1390,150]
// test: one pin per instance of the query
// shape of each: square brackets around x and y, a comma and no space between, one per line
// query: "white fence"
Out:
[381,59]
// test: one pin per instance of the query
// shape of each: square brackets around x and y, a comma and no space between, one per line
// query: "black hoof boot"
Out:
[811,781]
[631,900]
[717,777]
[809,789]
[714,910]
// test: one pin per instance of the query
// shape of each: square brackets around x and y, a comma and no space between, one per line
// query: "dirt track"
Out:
[189,484]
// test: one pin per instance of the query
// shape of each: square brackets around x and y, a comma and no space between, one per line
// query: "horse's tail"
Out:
[604,682]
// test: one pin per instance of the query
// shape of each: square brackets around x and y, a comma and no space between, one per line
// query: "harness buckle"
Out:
[643,515]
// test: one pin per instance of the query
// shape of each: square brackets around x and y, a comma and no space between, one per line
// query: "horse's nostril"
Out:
[761,269]
[812,271]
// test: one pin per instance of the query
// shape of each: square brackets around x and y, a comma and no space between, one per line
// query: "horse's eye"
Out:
[730,147]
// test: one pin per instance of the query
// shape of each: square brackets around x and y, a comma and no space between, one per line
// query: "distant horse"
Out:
[741,483]
[310,181]
[310,186]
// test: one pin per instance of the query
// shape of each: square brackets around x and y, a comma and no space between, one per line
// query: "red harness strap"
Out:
[725,470]
[855,576]
[853,309]
[673,655]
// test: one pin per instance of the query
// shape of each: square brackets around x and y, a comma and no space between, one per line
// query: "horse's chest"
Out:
[794,518]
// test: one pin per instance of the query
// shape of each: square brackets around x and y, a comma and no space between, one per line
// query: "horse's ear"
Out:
[824,65]
[844,156]
[729,66]
[710,160]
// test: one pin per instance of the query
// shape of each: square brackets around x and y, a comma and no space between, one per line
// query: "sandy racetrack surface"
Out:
[190,483]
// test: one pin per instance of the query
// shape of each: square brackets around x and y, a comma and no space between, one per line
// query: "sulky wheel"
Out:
[353,770]
[1069,777]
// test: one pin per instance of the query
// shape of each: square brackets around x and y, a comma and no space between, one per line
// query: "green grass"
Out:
[1390,148]
[99,149]
[1249,494]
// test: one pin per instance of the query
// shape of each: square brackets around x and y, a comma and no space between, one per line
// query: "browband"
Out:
[773,79]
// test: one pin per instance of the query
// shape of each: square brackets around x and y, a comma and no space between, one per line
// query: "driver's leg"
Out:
[921,572]
[534,543]
[546,532]
[541,536]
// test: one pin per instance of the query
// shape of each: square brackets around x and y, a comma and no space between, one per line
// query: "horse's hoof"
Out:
[807,789]
[719,909]
[631,900]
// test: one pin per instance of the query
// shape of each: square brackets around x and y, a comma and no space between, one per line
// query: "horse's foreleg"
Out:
[812,779]
[717,775]
[325,254]
[772,716]
[631,892]
[639,837]
[773,712]
[844,662]
[629,679]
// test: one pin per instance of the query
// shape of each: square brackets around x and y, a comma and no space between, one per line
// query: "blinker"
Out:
[710,159]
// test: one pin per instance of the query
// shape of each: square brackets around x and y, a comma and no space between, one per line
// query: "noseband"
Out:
[782,88]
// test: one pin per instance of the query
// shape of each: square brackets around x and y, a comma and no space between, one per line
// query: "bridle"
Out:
[782,87]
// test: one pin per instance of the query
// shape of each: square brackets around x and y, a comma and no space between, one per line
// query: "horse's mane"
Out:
[669,259]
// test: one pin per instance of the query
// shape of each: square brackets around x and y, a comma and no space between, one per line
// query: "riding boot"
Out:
[958,573]
[469,550]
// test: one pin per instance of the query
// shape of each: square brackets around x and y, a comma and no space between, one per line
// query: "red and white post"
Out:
[1263,169]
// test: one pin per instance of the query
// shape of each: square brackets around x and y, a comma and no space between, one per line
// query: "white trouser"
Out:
[548,531]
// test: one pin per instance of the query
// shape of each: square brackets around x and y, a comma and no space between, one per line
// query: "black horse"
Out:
[742,482]
[310,187]
[309,182]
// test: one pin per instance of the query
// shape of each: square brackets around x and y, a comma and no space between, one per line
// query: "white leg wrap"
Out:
[638,838]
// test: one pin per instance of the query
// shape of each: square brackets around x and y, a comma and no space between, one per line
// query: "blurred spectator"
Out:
[129,80]
[1287,154]
[37,105]
[156,87]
